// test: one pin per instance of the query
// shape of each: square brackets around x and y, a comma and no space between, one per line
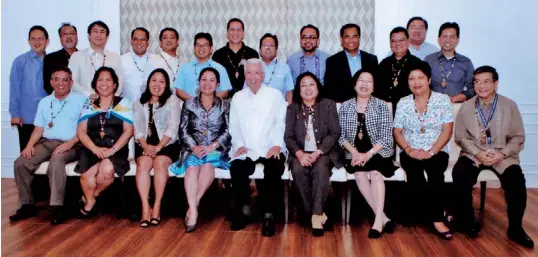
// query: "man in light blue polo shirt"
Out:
[53,139]
[277,73]
[310,58]
[186,83]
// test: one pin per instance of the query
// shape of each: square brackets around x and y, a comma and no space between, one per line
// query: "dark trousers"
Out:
[465,175]
[425,197]
[271,186]
[313,182]
[24,135]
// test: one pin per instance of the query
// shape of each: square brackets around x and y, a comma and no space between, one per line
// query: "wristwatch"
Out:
[319,152]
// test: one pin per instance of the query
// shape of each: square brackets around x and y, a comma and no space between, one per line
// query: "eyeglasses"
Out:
[58,79]
[201,46]
[72,34]
[305,38]
[367,82]
[39,39]
[398,41]
[136,39]
[485,81]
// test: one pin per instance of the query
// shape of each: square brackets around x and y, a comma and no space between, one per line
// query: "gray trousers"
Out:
[313,182]
[25,169]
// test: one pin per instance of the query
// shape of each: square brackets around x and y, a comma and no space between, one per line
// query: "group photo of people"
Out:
[235,106]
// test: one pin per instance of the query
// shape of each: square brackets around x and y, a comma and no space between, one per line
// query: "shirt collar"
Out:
[349,55]
[33,54]
[54,99]
[140,57]
[440,55]
[251,94]
[240,49]
[316,53]
[166,55]
[92,52]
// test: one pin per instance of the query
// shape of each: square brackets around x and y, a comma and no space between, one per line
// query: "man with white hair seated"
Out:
[257,124]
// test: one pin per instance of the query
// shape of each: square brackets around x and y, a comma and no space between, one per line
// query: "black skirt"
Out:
[171,151]
[385,166]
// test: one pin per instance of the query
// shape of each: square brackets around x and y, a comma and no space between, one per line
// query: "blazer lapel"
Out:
[345,67]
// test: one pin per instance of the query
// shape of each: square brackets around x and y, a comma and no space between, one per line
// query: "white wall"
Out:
[17,18]
[494,32]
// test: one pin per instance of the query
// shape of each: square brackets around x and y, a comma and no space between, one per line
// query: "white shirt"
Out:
[134,67]
[257,122]
[83,65]
[170,64]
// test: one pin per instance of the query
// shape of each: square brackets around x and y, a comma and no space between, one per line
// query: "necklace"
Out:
[93,65]
[483,123]
[422,118]
[445,78]
[303,68]
[136,64]
[272,73]
[308,113]
[170,67]
[396,74]
[236,67]
[361,121]
[51,123]
[102,120]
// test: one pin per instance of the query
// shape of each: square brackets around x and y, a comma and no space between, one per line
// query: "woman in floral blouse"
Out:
[422,128]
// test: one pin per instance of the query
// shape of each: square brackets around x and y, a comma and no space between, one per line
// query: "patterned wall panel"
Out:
[283,17]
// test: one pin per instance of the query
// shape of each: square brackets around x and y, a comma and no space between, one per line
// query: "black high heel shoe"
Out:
[389,227]
[84,214]
[447,235]
[189,228]
[373,234]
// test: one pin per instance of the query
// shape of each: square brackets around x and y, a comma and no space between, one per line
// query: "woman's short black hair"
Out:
[297,90]
[167,93]
[422,66]
[211,69]
[355,77]
[113,74]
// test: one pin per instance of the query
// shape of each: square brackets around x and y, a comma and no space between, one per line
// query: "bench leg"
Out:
[122,198]
[348,203]
[343,200]
[286,202]
[482,197]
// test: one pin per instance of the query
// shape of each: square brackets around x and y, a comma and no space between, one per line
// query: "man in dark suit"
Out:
[344,64]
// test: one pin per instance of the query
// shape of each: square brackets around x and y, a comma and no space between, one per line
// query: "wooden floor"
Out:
[108,236]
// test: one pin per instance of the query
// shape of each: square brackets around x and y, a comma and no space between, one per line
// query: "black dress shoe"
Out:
[26,211]
[241,221]
[520,237]
[472,229]
[59,215]
[374,234]
[328,225]
[268,228]
[317,232]
[389,227]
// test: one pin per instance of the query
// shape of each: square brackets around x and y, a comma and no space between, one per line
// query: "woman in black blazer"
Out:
[312,132]
[366,135]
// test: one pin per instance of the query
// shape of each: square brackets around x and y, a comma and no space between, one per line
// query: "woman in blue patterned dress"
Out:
[205,141]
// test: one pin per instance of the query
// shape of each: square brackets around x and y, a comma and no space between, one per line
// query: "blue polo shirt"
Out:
[187,76]
[66,114]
